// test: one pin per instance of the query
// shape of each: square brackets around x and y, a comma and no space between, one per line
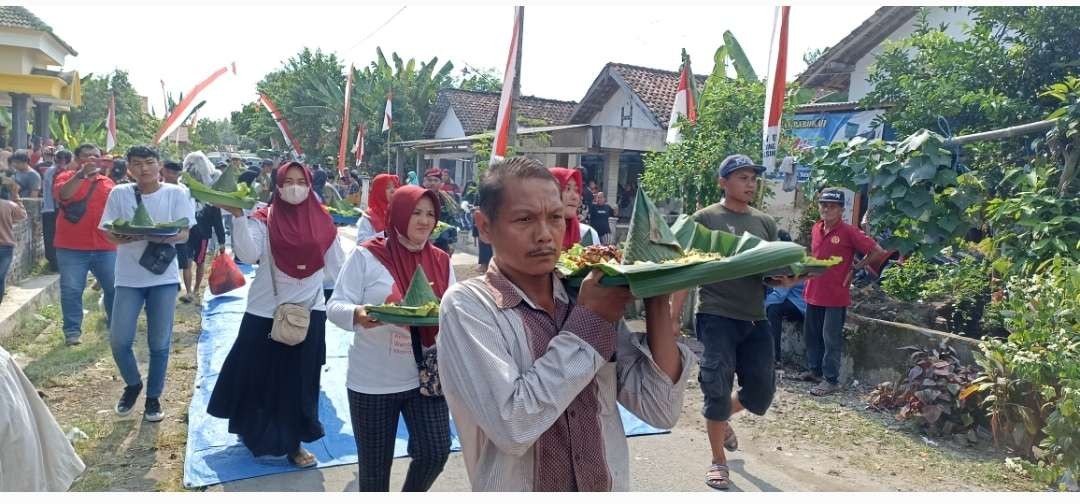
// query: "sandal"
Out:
[718,477]
[731,443]
[302,459]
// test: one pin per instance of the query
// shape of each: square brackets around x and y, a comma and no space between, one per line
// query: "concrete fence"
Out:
[29,247]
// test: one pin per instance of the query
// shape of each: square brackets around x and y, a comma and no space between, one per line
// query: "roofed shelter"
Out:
[32,81]
[623,115]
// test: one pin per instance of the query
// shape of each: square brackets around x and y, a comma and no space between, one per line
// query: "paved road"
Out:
[669,462]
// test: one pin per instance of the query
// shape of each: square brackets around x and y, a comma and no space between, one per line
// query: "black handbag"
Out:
[427,363]
[158,256]
[74,212]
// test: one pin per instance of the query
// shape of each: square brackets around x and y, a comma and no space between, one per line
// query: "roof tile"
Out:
[477,110]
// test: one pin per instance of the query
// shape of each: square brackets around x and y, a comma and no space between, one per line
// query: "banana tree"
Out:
[72,137]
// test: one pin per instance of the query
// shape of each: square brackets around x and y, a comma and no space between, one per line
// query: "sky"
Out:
[565,45]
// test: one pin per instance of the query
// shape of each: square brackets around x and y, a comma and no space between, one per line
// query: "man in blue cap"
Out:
[731,322]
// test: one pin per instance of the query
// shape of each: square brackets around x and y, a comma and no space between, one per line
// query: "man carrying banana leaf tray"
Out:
[731,322]
[449,212]
[532,373]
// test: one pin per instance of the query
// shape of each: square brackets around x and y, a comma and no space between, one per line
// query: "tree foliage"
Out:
[86,123]
[309,90]
[479,79]
[729,122]
[991,78]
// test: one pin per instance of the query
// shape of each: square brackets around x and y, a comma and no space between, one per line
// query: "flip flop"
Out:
[718,477]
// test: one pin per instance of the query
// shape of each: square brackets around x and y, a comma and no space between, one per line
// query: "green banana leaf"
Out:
[649,238]
[240,198]
[420,306]
[226,183]
[694,236]
[343,208]
[440,228]
[652,246]
[125,227]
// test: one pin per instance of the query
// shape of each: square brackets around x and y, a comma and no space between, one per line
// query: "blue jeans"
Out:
[823,329]
[160,303]
[74,264]
[7,252]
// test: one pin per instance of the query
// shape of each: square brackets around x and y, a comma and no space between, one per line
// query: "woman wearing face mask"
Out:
[382,378]
[267,390]
[570,185]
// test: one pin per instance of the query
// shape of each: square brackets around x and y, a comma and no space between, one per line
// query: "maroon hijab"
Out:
[300,234]
[402,262]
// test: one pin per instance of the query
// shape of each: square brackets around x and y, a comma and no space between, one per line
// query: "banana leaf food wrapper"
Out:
[225,191]
[419,307]
[142,225]
[660,259]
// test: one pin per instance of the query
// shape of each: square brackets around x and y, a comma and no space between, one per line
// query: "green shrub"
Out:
[906,282]
[929,395]
[963,287]
[1033,378]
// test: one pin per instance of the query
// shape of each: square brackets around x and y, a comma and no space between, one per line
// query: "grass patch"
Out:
[895,449]
[40,268]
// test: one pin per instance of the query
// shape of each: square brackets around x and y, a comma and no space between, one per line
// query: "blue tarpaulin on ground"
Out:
[215,456]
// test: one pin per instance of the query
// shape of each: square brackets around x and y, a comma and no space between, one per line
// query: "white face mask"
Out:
[294,194]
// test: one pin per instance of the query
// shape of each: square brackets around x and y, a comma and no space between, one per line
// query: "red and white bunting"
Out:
[388,113]
[110,124]
[184,108]
[510,77]
[358,147]
[345,125]
[282,125]
[685,103]
[776,88]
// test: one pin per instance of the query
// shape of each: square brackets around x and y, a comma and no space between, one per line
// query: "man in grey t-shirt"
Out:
[731,322]
[29,180]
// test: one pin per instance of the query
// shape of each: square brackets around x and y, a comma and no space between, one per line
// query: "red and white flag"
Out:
[776,88]
[358,147]
[345,125]
[110,124]
[282,125]
[685,102]
[187,105]
[510,81]
[388,114]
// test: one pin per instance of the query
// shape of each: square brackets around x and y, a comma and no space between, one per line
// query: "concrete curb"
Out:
[25,300]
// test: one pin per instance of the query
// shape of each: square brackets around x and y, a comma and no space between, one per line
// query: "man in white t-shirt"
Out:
[146,273]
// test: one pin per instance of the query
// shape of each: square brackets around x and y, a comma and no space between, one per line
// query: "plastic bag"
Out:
[224,275]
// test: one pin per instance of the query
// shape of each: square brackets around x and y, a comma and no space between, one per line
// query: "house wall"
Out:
[450,127]
[621,102]
[936,16]
[15,60]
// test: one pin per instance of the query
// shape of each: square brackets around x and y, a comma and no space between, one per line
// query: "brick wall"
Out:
[29,247]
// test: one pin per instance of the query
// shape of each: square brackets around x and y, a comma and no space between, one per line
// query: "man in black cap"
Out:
[731,322]
[828,296]
[171,172]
